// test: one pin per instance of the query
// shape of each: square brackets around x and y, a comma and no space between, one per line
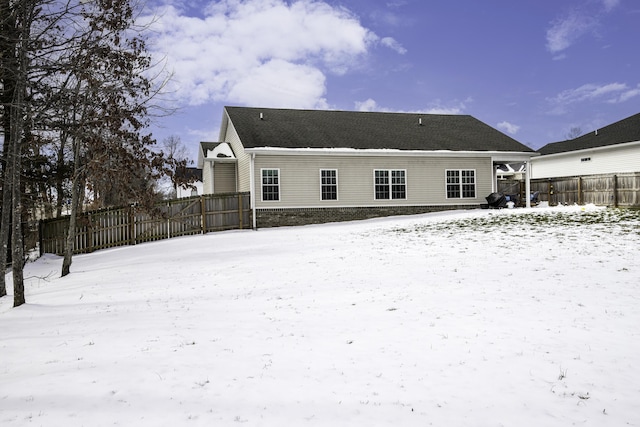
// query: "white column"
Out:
[494,177]
[527,166]
[252,189]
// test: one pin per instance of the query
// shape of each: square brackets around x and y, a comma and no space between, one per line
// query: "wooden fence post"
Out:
[615,191]
[89,233]
[240,212]
[203,212]
[168,220]
[132,226]
[40,237]
[580,198]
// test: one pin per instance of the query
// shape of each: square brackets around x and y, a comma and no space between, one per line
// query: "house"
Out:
[312,166]
[193,179]
[613,149]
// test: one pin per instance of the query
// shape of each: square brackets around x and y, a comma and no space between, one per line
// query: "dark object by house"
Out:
[496,200]
[187,174]
[534,198]
[513,198]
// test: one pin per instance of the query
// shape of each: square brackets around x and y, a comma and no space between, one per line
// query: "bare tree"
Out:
[15,43]
[74,100]
[175,148]
[574,132]
[112,156]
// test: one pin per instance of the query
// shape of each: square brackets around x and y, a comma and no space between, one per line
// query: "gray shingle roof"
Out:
[286,128]
[626,130]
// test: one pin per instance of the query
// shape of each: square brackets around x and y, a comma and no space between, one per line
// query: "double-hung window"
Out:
[461,184]
[270,184]
[390,184]
[329,184]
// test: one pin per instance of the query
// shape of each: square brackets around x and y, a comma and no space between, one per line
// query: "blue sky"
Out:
[532,69]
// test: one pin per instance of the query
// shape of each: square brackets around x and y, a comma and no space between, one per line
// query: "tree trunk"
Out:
[7,79]
[5,226]
[77,193]
[17,265]
[15,141]
[71,233]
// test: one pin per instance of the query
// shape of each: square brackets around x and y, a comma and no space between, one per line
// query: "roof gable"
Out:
[285,128]
[626,130]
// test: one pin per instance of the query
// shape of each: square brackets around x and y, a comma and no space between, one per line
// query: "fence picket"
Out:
[128,226]
[618,190]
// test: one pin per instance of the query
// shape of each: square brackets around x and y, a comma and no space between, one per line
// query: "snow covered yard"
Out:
[527,317]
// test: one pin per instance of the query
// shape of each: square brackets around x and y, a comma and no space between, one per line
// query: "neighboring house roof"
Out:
[626,130]
[511,167]
[187,174]
[284,128]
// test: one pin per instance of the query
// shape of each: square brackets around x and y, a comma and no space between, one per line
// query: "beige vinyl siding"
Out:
[425,179]
[224,177]
[612,159]
[244,160]
[207,177]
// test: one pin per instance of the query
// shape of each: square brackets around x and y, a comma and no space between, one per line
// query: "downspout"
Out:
[252,193]
[527,186]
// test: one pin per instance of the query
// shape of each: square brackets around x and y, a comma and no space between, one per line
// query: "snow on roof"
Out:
[222,150]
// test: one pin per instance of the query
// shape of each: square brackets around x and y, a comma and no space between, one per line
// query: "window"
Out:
[270,184]
[390,184]
[461,184]
[398,185]
[329,184]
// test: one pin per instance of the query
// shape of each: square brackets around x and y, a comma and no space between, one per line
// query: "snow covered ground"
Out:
[523,317]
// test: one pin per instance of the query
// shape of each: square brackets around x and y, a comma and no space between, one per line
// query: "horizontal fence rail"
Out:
[129,225]
[616,190]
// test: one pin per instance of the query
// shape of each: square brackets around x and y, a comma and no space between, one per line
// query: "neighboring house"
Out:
[612,149]
[512,171]
[311,166]
[195,185]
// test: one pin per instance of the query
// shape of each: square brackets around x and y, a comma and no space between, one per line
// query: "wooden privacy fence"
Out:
[617,190]
[109,228]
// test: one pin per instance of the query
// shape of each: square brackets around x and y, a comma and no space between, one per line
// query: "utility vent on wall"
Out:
[585,159]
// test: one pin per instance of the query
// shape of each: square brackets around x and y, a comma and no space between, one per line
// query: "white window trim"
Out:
[262,185]
[460,184]
[337,192]
[406,186]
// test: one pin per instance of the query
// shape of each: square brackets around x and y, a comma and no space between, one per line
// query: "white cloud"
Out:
[586,19]
[392,43]
[508,127]
[281,84]
[267,52]
[455,107]
[626,95]
[609,5]
[589,92]
[564,32]
[369,105]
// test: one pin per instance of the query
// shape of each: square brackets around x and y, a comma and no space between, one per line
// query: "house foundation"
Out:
[304,216]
